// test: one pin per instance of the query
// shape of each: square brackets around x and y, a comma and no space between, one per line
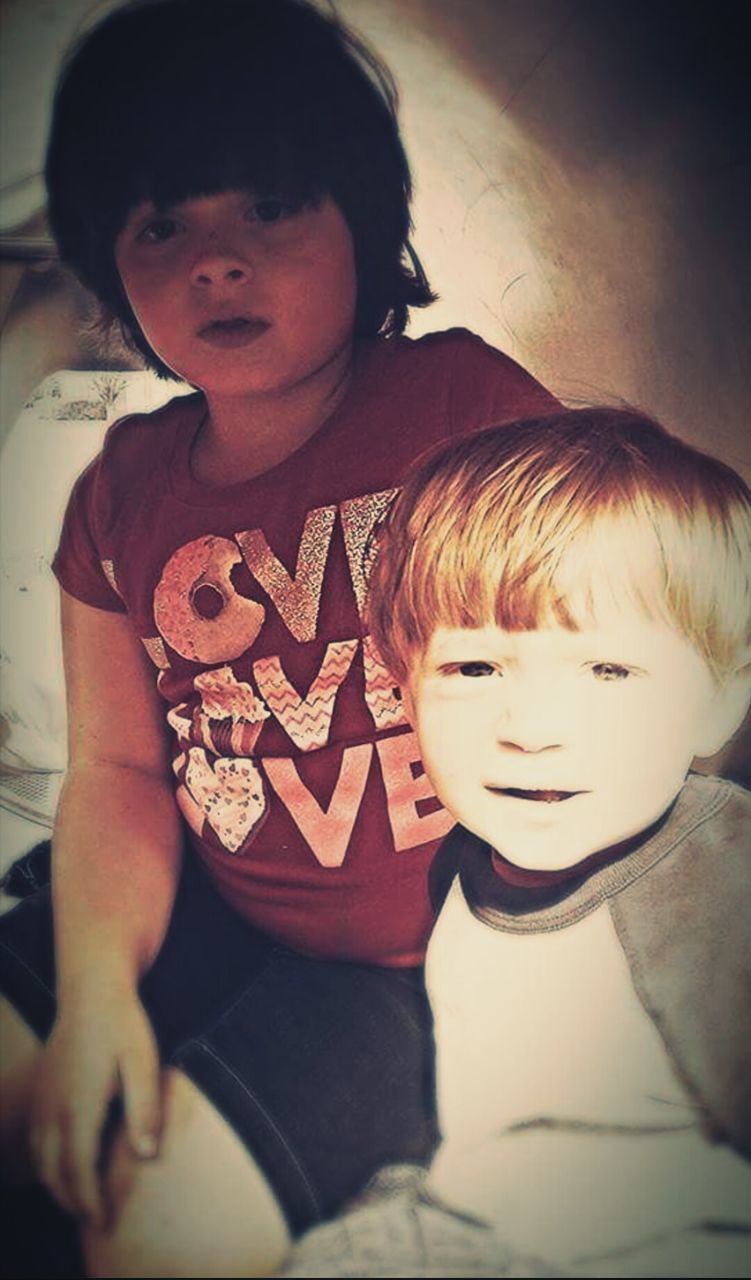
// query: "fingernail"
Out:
[146,1146]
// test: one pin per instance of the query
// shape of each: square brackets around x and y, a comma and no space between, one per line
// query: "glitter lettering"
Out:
[297,599]
[359,517]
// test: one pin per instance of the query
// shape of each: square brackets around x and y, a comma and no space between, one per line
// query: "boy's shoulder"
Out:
[684,927]
[703,869]
[701,881]
[712,819]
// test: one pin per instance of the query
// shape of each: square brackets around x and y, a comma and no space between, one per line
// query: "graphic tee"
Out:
[295,770]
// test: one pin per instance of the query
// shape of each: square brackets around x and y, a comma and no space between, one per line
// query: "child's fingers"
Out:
[140,1078]
[65,1154]
[79,1167]
[46,1144]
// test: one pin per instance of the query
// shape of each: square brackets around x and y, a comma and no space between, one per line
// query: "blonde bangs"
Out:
[531,525]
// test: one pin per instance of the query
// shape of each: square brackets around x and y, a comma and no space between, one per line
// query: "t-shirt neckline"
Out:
[187,489]
[483,888]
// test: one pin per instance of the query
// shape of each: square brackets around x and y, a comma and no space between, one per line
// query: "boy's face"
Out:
[241,294]
[552,744]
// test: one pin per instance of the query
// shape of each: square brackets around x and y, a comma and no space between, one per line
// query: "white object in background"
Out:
[58,432]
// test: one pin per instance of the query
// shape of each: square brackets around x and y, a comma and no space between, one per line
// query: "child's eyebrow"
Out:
[148,208]
[144,208]
[159,206]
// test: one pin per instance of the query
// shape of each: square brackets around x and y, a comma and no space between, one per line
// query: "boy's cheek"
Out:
[726,710]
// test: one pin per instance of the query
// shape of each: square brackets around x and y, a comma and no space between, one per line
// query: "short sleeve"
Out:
[80,566]
[492,388]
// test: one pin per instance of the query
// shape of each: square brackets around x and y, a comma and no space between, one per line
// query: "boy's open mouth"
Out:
[546,796]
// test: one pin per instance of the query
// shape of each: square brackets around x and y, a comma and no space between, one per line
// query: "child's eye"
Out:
[158,231]
[272,210]
[472,670]
[610,671]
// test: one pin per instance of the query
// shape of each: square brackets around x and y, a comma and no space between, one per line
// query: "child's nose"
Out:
[220,265]
[529,723]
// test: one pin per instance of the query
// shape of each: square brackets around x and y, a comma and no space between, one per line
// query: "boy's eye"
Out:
[610,671]
[272,210]
[158,231]
[473,670]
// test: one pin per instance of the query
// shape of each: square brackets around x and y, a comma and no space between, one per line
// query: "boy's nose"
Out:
[531,726]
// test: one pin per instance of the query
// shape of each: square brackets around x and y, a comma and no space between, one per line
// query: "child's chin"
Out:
[543,855]
[535,862]
[567,853]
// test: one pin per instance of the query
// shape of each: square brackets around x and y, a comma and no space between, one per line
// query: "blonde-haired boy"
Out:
[566,604]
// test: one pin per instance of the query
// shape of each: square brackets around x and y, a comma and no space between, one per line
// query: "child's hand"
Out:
[98,1048]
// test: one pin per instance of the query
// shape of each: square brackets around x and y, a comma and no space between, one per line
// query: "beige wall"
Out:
[582,193]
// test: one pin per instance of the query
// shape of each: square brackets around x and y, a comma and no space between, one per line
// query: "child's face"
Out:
[554,744]
[238,294]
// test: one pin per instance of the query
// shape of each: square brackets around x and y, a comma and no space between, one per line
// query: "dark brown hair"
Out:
[165,100]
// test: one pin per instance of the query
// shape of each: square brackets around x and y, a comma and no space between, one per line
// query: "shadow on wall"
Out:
[610,198]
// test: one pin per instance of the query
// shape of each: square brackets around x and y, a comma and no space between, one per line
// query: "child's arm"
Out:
[115,868]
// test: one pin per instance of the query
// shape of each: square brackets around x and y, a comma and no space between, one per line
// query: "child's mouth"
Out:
[544,796]
[236,331]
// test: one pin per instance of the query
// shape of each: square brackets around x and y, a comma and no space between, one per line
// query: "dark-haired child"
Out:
[567,604]
[229,180]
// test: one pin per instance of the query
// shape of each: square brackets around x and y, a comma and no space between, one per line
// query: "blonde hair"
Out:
[508,526]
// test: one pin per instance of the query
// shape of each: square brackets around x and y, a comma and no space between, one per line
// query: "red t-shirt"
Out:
[295,770]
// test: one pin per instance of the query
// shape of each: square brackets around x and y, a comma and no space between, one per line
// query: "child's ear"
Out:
[728,708]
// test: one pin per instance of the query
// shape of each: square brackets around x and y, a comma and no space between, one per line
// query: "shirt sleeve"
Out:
[489,388]
[79,564]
